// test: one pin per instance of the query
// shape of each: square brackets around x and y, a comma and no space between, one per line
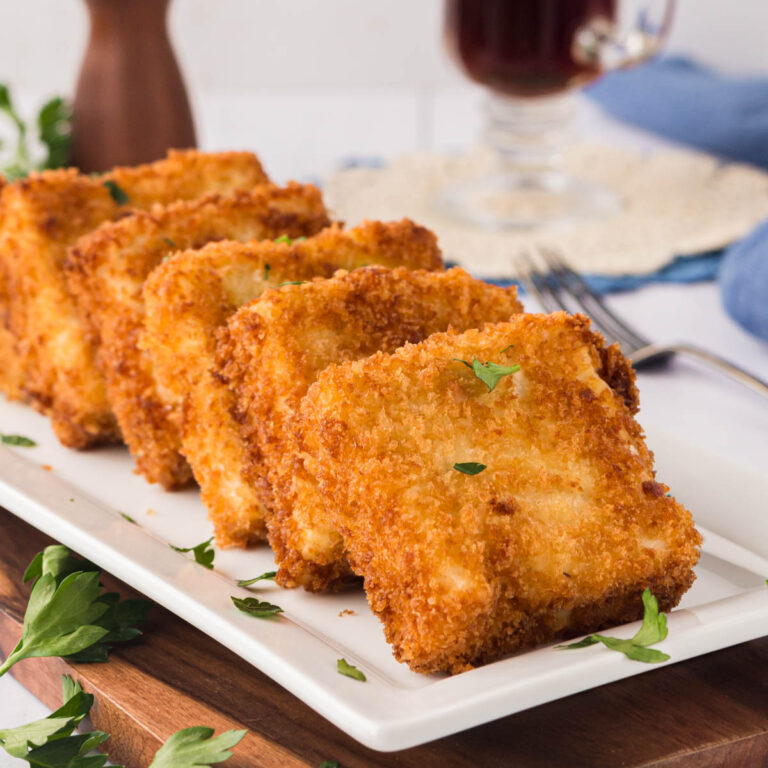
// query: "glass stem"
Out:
[529,136]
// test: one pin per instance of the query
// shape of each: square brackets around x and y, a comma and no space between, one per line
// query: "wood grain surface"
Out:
[710,712]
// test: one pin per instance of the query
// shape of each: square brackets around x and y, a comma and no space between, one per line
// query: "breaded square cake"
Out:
[190,296]
[494,490]
[275,347]
[107,269]
[52,360]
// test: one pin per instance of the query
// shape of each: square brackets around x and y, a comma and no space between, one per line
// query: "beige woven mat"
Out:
[676,203]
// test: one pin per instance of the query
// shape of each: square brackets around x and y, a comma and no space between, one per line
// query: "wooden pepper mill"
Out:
[130,104]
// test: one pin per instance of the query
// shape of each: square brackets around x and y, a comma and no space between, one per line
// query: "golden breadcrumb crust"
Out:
[11,370]
[275,347]
[194,293]
[558,536]
[107,269]
[43,215]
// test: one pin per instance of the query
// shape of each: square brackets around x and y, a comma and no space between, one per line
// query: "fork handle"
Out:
[655,351]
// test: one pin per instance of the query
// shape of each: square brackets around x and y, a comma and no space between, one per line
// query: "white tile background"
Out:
[307,81]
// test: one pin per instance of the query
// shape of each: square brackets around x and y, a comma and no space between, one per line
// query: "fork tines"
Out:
[556,286]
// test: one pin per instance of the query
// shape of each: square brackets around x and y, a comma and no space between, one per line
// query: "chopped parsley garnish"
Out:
[330,764]
[116,192]
[169,242]
[291,282]
[203,553]
[269,575]
[68,614]
[653,630]
[266,272]
[254,607]
[19,440]
[469,467]
[196,747]
[344,668]
[489,373]
[128,518]
[289,240]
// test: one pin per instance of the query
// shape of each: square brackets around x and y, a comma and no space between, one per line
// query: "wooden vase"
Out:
[130,104]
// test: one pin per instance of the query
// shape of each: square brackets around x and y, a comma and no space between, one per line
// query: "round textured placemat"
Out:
[675,202]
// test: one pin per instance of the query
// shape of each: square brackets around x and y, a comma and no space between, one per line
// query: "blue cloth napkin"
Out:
[744,281]
[691,104]
[724,116]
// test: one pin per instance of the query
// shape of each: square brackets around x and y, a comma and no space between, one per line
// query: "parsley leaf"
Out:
[61,618]
[20,440]
[254,607]
[120,620]
[54,126]
[203,552]
[68,615]
[247,582]
[169,242]
[469,467]
[489,373]
[49,743]
[195,747]
[266,272]
[116,192]
[289,240]
[344,668]
[291,282]
[330,764]
[21,164]
[128,518]
[653,630]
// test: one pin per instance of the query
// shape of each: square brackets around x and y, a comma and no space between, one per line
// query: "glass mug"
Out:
[532,55]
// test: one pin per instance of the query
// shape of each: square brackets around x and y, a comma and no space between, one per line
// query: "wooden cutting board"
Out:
[706,712]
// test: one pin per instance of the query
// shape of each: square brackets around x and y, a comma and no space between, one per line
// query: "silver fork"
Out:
[559,287]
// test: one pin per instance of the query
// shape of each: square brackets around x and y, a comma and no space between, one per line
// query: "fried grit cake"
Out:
[557,536]
[43,215]
[274,348]
[194,293]
[107,269]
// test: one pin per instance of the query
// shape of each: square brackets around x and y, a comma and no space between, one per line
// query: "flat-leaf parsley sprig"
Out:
[69,615]
[653,630]
[50,741]
[196,746]
[203,552]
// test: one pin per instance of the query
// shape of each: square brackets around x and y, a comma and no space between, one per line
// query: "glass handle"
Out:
[637,34]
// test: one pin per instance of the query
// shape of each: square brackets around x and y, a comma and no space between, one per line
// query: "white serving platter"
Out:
[78,499]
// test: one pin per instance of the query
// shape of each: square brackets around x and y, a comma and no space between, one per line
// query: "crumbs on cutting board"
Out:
[346,612]
[47,467]
[151,512]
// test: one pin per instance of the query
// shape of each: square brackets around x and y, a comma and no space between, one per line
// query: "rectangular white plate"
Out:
[79,499]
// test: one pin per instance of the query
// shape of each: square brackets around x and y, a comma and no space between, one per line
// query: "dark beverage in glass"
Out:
[526,47]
